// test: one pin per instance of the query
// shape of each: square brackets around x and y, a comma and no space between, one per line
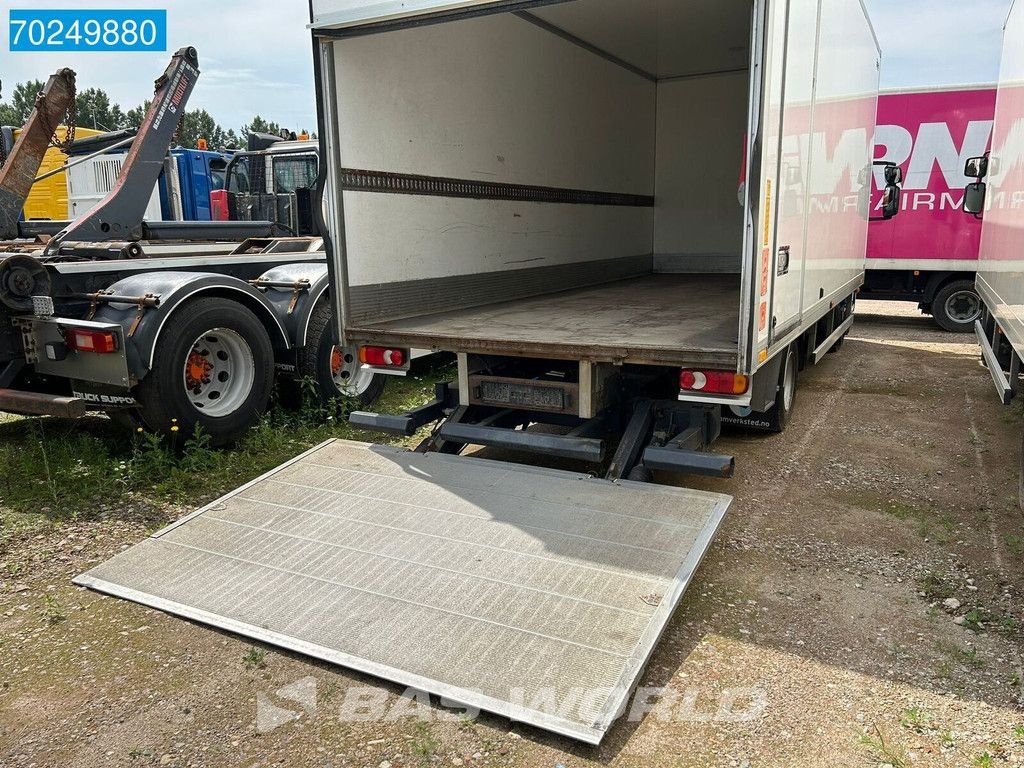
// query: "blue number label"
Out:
[88,30]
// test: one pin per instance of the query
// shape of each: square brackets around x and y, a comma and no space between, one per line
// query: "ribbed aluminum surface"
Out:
[532,593]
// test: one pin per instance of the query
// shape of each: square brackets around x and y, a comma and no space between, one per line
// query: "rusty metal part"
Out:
[105,297]
[297,288]
[70,123]
[38,404]
[19,172]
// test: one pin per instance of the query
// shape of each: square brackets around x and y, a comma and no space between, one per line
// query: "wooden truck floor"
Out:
[656,319]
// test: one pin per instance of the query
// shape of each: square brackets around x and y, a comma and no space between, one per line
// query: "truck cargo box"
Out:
[562,180]
[1001,262]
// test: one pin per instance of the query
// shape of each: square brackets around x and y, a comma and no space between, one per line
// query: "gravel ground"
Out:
[860,607]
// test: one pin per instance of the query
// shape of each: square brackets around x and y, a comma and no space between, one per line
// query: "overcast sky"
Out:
[255,56]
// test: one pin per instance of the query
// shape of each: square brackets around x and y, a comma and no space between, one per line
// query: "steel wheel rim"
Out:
[350,378]
[963,306]
[219,372]
[789,386]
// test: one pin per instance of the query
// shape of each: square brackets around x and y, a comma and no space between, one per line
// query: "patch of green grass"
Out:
[984,760]
[1018,733]
[1015,544]
[255,658]
[970,657]
[902,511]
[327,692]
[916,719]
[946,740]
[977,618]
[884,749]
[57,469]
[935,586]
[424,745]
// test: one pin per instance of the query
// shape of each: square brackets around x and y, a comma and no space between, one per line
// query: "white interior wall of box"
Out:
[499,99]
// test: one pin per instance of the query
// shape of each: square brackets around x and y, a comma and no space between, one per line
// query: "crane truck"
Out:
[161,323]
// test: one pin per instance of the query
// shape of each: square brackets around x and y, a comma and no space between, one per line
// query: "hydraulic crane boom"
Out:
[120,215]
[18,174]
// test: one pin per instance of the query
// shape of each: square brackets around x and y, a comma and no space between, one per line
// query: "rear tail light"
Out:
[89,340]
[714,382]
[384,357]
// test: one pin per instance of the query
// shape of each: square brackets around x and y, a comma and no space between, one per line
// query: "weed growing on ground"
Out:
[885,750]
[53,611]
[424,745]
[916,719]
[255,658]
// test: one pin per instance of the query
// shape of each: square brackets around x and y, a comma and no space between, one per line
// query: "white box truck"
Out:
[998,198]
[548,190]
[550,193]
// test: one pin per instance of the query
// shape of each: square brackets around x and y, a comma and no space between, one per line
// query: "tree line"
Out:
[94,109]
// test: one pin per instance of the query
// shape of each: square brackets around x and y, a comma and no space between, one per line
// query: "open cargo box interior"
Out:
[575,174]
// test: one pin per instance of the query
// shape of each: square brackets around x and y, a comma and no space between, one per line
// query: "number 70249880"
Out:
[87,30]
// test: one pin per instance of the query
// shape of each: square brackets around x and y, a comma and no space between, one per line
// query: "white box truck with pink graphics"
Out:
[929,253]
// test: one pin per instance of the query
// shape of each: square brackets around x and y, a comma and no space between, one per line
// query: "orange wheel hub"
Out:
[197,371]
[337,361]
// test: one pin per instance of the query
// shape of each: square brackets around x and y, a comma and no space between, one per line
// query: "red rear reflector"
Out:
[219,205]
[88,340]
[714,382]
[383,356]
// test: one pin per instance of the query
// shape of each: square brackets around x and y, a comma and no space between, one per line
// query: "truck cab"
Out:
[199,175]
[275,183]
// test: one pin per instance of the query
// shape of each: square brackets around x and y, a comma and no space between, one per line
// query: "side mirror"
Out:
[893,175]
[974,199]
[892,196]
[976,168]
[891,202]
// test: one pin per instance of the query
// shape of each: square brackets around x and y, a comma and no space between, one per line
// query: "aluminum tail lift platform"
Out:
[532,593]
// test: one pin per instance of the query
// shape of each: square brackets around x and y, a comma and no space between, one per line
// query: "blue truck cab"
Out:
[200,172]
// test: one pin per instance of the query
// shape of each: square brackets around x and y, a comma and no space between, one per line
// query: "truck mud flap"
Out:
[530,593]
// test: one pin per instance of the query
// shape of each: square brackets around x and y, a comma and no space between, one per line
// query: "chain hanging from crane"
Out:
[70,121]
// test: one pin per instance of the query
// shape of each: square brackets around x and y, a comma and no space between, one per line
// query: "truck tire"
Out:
[335,370]
[785,394]
[213,367]
[956,306]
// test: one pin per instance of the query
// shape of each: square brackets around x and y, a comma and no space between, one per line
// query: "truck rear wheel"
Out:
[957,306]
[785,395]
[335,370]
[213,367]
